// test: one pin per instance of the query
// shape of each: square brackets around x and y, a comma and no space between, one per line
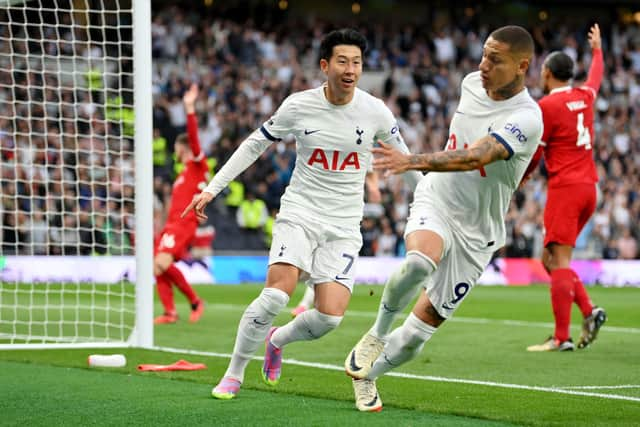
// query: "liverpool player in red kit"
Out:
[178,233]
[567,144]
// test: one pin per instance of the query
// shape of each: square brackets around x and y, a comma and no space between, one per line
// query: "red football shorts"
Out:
[175,238]
[568,209]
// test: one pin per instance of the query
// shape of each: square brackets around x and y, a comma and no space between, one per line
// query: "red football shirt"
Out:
[192,179]
[568,136]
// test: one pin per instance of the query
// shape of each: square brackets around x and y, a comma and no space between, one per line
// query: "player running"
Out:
[317,231]
[178,233]
[567,144]
[457,219]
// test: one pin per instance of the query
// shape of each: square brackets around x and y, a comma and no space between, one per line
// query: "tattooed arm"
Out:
[482,152]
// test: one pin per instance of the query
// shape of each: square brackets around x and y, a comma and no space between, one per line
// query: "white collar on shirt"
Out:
[560,89]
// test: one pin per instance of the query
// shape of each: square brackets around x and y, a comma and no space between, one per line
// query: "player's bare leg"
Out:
[256,323]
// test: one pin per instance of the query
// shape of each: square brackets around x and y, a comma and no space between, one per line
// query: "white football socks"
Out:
[404,343]
[309,325]
[400,290]
[254,327]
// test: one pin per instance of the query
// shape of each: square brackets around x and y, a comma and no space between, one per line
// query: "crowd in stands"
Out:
[245,71]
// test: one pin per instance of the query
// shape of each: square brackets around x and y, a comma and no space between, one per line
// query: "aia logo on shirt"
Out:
[516,131]
[334,160]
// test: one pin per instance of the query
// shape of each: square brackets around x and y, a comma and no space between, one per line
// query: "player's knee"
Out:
[435,319]
[549,263]
[419,264]
[320,324]
[273,300]
[161,262]
[158,268]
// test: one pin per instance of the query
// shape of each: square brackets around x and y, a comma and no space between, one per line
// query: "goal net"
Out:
[72,242]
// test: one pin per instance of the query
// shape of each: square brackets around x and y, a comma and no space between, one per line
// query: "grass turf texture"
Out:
[485,341]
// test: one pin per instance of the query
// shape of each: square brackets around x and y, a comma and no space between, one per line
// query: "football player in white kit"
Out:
[457,219]
[317,231]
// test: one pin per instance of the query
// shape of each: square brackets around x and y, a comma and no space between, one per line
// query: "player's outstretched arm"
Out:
[247,153]
[482,152]
[189,101]
[596,70]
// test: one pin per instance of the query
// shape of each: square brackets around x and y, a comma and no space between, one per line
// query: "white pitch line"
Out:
[421,377]
[458,319]
[598,387]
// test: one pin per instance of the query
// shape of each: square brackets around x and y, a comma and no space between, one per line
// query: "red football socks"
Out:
[562,295]
[165,293]
[176,276]
[581,297]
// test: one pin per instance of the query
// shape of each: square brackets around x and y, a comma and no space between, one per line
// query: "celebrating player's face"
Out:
[500,70]
[343,71]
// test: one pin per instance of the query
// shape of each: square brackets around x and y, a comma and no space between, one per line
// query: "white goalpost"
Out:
[76,201]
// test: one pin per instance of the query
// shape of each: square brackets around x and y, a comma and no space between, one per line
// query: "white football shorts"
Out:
[326,253]
[459,268]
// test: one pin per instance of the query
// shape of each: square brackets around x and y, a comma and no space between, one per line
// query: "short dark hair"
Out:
[518,39]
[346,36]
[183,138]
[560,64]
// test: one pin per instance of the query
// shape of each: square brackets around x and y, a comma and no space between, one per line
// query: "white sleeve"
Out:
[247,153]
[521,133]
[390,134]
[283,121]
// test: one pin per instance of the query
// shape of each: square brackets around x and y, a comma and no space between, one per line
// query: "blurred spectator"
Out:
[251,216]
[627,245]
[387,240]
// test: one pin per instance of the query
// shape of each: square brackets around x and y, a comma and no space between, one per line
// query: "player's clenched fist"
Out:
[198,204]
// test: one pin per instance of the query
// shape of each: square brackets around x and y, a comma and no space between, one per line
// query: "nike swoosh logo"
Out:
[459,112]
[257,322]
[309,132]
[339,278]
[352,362]
[390,310]
[373,401]
[387,360]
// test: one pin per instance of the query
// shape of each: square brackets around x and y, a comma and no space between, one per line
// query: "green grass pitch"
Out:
[474,372]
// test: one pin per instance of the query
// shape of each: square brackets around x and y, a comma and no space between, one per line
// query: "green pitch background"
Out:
[485,343]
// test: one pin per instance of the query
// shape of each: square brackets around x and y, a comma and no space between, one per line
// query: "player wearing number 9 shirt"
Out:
[457,219]
[567,145]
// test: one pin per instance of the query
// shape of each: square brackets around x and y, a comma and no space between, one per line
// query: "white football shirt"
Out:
[476,202]
[333,148]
